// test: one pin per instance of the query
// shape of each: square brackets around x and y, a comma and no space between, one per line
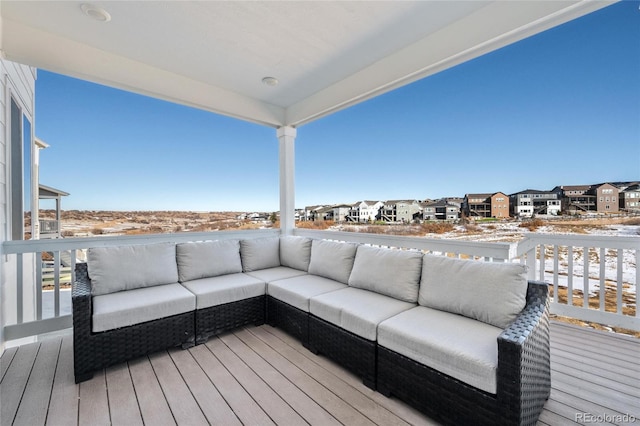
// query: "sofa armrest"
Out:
[81,294]
[524,378]
[83,349]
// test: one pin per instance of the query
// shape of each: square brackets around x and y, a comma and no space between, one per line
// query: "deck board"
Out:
[213,405]
[342,411]
[154,408]
[183,405]
[35,400]
[243,405]
[123,402]
[63,407]
[94,402]
[261,376]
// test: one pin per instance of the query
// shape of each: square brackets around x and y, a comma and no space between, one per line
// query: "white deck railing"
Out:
[599,272]
[556,259]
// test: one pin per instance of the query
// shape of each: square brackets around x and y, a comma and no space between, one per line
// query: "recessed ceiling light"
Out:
[270,81]
[95,12]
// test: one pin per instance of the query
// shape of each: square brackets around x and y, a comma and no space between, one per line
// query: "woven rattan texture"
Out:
[229,316]
[352,351]
[524,373]
[523,378]
[93,351]
[290,319]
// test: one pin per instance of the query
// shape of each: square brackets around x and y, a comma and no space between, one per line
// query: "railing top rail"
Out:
[578,240]
[484,249]
[31,246]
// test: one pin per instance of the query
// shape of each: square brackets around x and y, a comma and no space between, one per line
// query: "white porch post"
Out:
[287,138]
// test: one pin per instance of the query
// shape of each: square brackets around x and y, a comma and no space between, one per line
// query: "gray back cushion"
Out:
[392,272]
[332,260]
[208,259]
[260,253]
[491,292]
[295,252]
[113,269]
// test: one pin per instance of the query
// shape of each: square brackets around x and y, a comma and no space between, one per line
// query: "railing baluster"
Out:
[555,272]
[19,286]
[543,257]
[39,285]
[74,255]
[620,286]
[585,279]
[56,283]
[570,275]
[603,281]
[637,283]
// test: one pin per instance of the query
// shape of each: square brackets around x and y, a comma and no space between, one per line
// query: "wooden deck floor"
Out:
[261,376]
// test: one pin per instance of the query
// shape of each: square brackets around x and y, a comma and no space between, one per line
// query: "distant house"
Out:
[50,227]
[312,212]
[404,211]
[600,198]
[340,212]
[606,198]
[576,197]
[486,205]
[629,198]
[531,202]
[365,211]
[323,213]
[441,209]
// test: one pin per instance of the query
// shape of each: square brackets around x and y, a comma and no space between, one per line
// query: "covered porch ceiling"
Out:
[214,55]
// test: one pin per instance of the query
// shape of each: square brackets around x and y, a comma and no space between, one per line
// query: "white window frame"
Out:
[13,222]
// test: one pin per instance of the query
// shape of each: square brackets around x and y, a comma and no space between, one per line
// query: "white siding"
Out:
[18,81]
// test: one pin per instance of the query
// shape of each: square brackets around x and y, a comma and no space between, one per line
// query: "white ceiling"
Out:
[326,55]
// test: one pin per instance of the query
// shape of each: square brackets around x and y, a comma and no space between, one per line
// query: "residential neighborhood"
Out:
[614,197]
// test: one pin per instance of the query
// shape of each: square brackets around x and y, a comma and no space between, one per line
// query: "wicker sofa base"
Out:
[288,318]
[353,352]
[438,395]
[229,316]
[94,351]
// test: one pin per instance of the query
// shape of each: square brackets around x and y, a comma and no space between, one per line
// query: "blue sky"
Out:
[559,108]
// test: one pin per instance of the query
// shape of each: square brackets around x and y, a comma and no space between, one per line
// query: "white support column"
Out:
[287,138]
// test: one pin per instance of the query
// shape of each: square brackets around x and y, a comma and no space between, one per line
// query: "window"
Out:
[21,150]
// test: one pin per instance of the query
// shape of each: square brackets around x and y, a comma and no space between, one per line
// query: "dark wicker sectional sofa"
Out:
[348,302]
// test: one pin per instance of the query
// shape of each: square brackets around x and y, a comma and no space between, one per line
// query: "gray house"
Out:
[531,202]
[441,209]
[404,211]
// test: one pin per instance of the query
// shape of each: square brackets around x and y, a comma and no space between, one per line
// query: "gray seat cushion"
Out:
[460,347]
[298,290]
[277,273]
[125,308]
[356,310]
[214,291]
